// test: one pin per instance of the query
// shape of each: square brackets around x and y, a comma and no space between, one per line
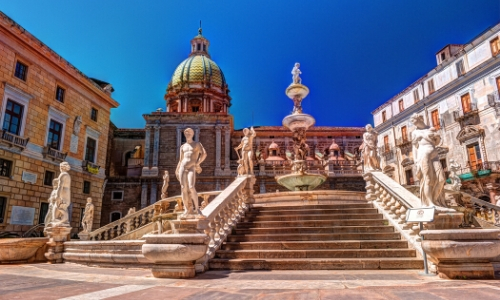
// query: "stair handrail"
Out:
[482,203]
[137,219]
[223,213]
[393,201]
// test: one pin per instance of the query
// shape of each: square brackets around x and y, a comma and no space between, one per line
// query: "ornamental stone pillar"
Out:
[144,195]
[227,149]
[154,190]
[156,145]
[217,149]
[147,141]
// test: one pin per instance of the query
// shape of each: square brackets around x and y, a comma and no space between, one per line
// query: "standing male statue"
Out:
[63,197]
[88,216]
[52,203]
[192,154]
[371,160]
[164,188]
[246,146]
[295,74]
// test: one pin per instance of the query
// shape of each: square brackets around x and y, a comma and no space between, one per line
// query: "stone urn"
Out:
[463,253]
[174,255]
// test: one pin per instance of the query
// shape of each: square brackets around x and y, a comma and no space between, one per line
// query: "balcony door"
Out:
[474,153]
[497,80]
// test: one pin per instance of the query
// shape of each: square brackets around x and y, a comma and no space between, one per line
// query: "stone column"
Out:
[217,149]
[144,195]
[154,189]
[227,150]
[147,141]
[156,145]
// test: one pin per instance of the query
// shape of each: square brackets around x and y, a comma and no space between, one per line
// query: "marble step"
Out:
[320,253]
[316,264]
[310,223]
[313,211]
[314,237]
[316,206]
[303,230]
[298,217]
[311,245]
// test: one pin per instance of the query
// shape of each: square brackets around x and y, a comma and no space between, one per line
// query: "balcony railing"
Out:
[14,140]
[387,151]
[54,154]
[475,170]
[403,142]
[467,116]
[90,167]
[494,101]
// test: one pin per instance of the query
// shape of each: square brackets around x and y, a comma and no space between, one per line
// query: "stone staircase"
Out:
[314,237]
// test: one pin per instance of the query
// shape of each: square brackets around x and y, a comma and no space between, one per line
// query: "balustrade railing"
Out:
[135,162]
[143,217]
[460,114]
[223,213]
[14,140]
[54,154]
[481,168]
[393,201]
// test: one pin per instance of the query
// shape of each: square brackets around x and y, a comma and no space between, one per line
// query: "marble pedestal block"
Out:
[57,236]
[463,253]
[445,218]
[174,255]
[84,236]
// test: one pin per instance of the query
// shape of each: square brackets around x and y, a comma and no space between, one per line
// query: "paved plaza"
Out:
[69,281]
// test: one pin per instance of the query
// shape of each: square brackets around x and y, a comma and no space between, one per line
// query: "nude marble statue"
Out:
[63,197]
[295,74]
[52,203]
[192,154]
[371,160]
[246,158]
[430,173]
[88,216]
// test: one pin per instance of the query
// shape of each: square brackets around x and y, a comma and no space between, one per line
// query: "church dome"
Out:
[198,69]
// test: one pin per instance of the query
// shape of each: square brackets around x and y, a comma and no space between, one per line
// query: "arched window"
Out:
[116,215]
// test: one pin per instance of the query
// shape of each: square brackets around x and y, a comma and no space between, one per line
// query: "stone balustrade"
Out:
[393,201]
[142,217]
[222,215]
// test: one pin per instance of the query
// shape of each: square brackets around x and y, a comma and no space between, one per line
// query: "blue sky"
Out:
[354,54]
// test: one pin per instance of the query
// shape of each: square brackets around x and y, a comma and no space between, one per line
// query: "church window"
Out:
[443,56]
[386,143]
[198,47]
[204,47]
[495,46]
[195,108]
[404,134]
[44,209]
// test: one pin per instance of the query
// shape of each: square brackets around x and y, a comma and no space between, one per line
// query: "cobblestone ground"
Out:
[70,281]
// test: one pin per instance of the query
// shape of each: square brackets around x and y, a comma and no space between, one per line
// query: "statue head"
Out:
[246,131]
[416,120]
[297,65]
[368,127]
[64,166]
[166,173]
[189,133]
[89,200]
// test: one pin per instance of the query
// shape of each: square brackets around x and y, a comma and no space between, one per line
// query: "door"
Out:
[474,153]
[409,177]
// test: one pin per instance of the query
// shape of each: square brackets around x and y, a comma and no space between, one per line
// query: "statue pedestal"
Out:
[445,218]
[57,236]
[175,255]
[84,236]
[463,253]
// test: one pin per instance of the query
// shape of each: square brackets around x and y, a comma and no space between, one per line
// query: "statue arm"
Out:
[181,157]
[252,131]
[202,156]
[239,146]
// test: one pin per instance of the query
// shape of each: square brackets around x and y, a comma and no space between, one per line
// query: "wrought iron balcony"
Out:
[54,154]
[403,142]
[468,116]
[478,170]
[387,151]
[90,167]
[14,140]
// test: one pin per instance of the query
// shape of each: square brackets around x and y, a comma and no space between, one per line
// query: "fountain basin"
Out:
[297,90]
[295,121]
[298,182]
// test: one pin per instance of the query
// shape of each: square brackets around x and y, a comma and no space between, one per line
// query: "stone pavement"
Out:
[70,281]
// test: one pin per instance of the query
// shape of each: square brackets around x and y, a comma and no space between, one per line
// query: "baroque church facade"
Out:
[198,97]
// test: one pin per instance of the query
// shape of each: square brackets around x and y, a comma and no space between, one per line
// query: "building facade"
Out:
[198,97]
[49,112]
[460,99]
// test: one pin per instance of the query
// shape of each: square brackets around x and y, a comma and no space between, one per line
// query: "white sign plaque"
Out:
[29,177]
[423,214]
[22,215]
[73,145]
[150,172]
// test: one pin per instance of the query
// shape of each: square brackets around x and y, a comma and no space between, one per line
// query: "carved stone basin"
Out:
[298,182]
[19,249]
[295,121]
